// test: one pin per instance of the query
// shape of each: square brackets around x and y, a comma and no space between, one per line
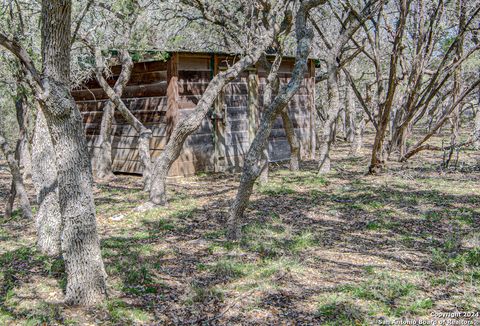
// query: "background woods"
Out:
[307,161]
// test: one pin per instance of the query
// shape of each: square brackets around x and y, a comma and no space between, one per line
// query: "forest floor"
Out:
[341,249]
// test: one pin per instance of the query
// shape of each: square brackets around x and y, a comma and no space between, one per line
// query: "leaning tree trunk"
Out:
[80,243]
[145,134]
[252,165]
[44,175]
[187,126]
[457,84]
[292,141]
[377,161]
[17,186]
[103,156]
[327,134]
[272,87]
[419,146]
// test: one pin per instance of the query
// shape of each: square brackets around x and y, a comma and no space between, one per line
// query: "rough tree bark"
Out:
[476,129]
[350,25]
[271,88]
[79,240]
[103,157]
[253,115]
[377,161]
[359,129]
[349,114]
[476,133]
[252,164]
[22,153]
[11,200]
[80,243]
[114,95]
[457,82]
[48,219]
[17,185]
[326,137]
[22,150]
[292,141]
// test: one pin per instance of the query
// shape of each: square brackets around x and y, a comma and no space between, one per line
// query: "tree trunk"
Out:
[377,162]
[399,139]
[145,134]
[264,173]
[22,150]
[292,141]
[252,165]
[327,134]
[22,154]
[457,84]
[357,142]
[17,184]
[187,126]
[349,114]
[44,175]
[11,200]
[253,114]
[476,130]
[80,242]
[103,156]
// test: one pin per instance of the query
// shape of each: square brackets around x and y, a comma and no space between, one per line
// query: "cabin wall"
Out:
[160,94]
[194,75]
[237,112]
[145,96]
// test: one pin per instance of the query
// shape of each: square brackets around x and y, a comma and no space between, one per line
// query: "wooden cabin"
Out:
[161,93]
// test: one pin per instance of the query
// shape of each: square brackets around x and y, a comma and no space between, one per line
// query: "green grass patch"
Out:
[271,240]
[338,310]
[307,179]
[273,189]
[200,294]
[251,274]
[121,313]
[392,294]
[140,280]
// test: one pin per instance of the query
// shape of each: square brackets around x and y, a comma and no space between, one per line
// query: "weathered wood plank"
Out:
[142,67]
[192,88]
[188,101]
[128,142]
[195,76]
[126,130]
[236,100]
[142,78]
[96,94]
[133,104]
[193,63]
[143,116]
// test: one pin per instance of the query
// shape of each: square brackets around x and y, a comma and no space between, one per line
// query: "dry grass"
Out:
[342,249]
